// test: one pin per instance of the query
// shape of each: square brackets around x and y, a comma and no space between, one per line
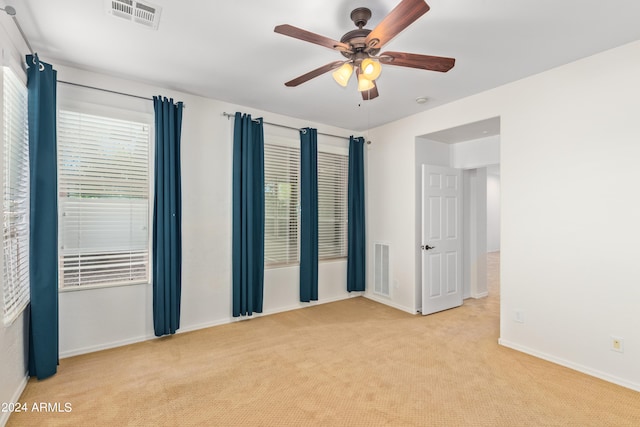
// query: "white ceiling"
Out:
[228,50]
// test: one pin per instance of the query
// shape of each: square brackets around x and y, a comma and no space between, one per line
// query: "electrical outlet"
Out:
[518,316]
[617,344]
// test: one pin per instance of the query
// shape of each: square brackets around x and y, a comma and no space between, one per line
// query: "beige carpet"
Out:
[350,363]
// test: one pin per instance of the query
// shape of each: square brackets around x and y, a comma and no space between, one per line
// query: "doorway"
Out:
[481,226]
[475,149]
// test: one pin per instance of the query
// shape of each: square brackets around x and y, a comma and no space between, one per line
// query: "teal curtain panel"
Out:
[167,217]
[248,215]
[43,240]
[308,215]
[356,253]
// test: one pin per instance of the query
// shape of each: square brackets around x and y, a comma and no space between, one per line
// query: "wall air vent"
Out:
[381,269]
[143,13]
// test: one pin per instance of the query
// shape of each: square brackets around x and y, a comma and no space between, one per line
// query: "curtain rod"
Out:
[110,91]
[229,116]
[11,11]
[106,90]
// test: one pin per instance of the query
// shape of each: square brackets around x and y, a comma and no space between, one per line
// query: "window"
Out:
[282,203]
[103,184]
[15,236]
[333,175]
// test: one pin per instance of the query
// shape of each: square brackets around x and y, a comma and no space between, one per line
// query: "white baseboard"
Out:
[571,365]
[390,303]
[480,295]
[224,321]
[105,346]
[4,416]
[296,307]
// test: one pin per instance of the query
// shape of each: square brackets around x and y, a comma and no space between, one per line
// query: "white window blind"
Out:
[332,205]
[15,236]
[282,203]
[103,183]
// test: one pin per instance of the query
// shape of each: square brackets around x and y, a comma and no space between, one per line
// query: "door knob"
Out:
[427,247]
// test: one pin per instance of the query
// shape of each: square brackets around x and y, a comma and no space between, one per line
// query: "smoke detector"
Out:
[145,13]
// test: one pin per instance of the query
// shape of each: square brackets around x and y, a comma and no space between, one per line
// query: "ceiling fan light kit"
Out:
[9,10]
[361,47]
[371,68]
[364,83]
[343,74]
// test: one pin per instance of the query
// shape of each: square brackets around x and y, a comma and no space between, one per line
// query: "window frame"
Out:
[125,112]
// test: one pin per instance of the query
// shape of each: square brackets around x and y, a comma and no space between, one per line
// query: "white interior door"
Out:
[441,238]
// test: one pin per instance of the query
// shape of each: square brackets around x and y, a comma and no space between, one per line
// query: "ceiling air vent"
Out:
[144,13]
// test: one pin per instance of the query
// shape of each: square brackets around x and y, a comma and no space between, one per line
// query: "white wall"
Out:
[570,208]
[93,319]
[493,210]
[14,337]
[477,153]
[388,189]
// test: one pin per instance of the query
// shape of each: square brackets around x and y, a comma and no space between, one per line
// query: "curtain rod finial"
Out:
[9,10]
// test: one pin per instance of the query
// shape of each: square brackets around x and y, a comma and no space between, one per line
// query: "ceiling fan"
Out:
[361,48]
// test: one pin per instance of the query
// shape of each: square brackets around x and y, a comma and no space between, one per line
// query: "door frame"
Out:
[474,232]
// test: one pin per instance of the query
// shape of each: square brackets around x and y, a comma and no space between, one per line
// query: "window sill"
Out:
[91,287]
[297,264]
[11,319]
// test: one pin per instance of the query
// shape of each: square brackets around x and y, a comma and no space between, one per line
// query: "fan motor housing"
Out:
[356,39]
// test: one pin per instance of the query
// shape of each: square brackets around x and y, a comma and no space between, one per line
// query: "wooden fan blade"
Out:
[397,20]
[368,95]
[315,73]
[299,33]
[413,60]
